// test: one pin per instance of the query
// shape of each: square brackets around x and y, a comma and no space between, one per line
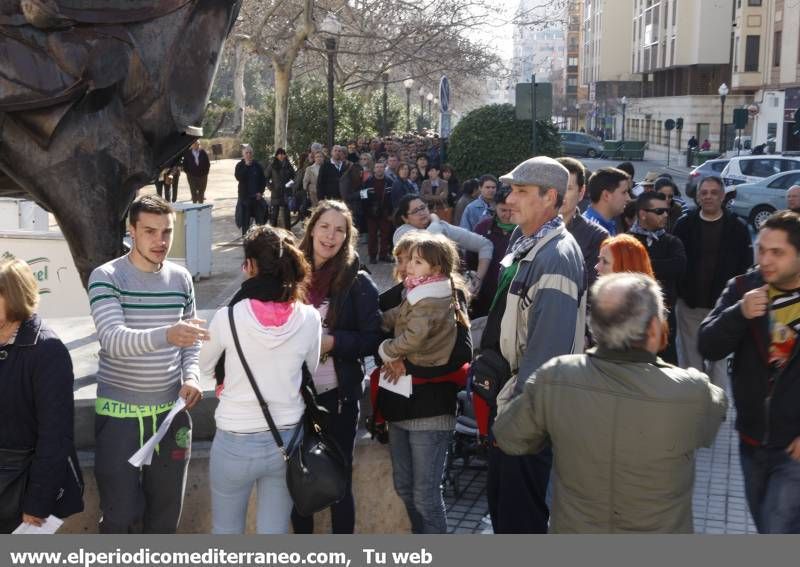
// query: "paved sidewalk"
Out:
[719,504]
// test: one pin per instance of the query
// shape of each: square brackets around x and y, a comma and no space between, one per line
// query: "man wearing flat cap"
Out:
[538,313]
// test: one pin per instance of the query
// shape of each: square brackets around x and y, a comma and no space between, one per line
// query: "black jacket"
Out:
[767,400]
[427,400]
[589,236]
[356,331]
[279,174]
[735,255]
[196,169]
[668,258]
[328,180]
[374,207]
[251,178]
[36,412]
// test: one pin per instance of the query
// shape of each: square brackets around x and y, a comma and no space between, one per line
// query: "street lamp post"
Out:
[408,83]
[421,108]
[435,124]
[723,94]
[384,119]
[624,107]
[331,28]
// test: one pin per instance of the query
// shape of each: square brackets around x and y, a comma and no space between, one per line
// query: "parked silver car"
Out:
[757,201]
[580,144]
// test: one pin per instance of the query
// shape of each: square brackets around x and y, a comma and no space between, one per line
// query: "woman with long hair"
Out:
[278,334]
[454,187]
[347,301]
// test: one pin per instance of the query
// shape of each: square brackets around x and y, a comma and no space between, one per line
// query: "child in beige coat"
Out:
[424,324]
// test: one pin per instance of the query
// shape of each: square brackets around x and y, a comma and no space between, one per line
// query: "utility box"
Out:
[191,241]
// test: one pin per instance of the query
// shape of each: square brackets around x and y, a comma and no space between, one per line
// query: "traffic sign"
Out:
[669,124]
[740,118]
[544,101]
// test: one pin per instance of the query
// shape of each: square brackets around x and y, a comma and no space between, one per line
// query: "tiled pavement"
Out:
[719,504]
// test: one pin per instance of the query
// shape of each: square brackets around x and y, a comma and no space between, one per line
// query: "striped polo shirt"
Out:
[132,311]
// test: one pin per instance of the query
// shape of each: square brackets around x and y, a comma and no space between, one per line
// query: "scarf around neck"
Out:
[320,288]
[414,281]
[652,235]
[525,244]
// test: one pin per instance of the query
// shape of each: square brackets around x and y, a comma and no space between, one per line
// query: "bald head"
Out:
[793,198]
[624,306]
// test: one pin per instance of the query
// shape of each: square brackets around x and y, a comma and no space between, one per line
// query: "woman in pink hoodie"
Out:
[278,333]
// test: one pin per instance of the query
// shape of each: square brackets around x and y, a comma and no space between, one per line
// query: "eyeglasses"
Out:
[658,211]
[418,210]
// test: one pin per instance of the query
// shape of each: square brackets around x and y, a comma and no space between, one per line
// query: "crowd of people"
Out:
[607,310]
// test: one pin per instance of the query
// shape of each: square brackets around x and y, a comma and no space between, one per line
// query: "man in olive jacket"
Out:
[624,425]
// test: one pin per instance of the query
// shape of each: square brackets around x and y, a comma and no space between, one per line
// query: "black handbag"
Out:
[14,470]
[316,469]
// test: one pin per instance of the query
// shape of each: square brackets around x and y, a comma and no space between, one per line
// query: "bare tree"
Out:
[419,39]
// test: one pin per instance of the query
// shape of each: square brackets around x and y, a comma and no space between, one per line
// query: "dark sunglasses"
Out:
[658,211]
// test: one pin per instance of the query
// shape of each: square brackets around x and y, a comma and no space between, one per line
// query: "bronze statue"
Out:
[95,96]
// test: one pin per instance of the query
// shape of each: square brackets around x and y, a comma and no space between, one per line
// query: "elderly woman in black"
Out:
[39,474]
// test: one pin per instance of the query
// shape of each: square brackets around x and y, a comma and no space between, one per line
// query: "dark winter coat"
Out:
[735,254]
[280,173]
[767,399]
[356,331]
[36,412]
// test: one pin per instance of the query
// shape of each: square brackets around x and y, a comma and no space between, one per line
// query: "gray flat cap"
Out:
[540,170]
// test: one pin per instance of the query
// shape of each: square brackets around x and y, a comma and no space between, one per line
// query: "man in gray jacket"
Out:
[623,424]
[538,313]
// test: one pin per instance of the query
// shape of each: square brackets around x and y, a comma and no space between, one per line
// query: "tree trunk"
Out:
[283,77]
[240,56]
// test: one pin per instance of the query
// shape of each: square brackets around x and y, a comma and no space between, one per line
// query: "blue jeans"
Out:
[418,459]
[772,488]
[239,460]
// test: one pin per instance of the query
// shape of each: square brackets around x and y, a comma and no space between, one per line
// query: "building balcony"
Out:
[749,80]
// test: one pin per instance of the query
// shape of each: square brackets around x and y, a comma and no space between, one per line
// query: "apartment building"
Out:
[573,18]
[682,51]
[766,65]
[605,68]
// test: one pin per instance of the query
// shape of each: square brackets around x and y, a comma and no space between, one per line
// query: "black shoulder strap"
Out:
[261,401]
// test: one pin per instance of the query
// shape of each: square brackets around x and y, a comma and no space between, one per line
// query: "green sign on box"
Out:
[544,101]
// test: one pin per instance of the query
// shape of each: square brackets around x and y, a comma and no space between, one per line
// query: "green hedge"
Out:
[491,140]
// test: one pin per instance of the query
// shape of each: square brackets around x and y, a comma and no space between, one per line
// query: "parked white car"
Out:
[749,169]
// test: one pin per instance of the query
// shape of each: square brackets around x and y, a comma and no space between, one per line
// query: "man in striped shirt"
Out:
[144,311]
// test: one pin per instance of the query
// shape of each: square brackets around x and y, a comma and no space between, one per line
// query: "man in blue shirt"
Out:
[483,206]
[609,192]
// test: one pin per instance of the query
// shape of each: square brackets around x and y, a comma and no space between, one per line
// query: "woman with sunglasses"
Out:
[413,214]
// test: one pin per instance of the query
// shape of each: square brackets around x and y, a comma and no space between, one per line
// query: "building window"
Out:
[573,62]
[736,54]
[751,53]
[776,49]
[754,2]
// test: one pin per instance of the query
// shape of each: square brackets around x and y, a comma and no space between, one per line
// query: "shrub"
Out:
[491,140]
